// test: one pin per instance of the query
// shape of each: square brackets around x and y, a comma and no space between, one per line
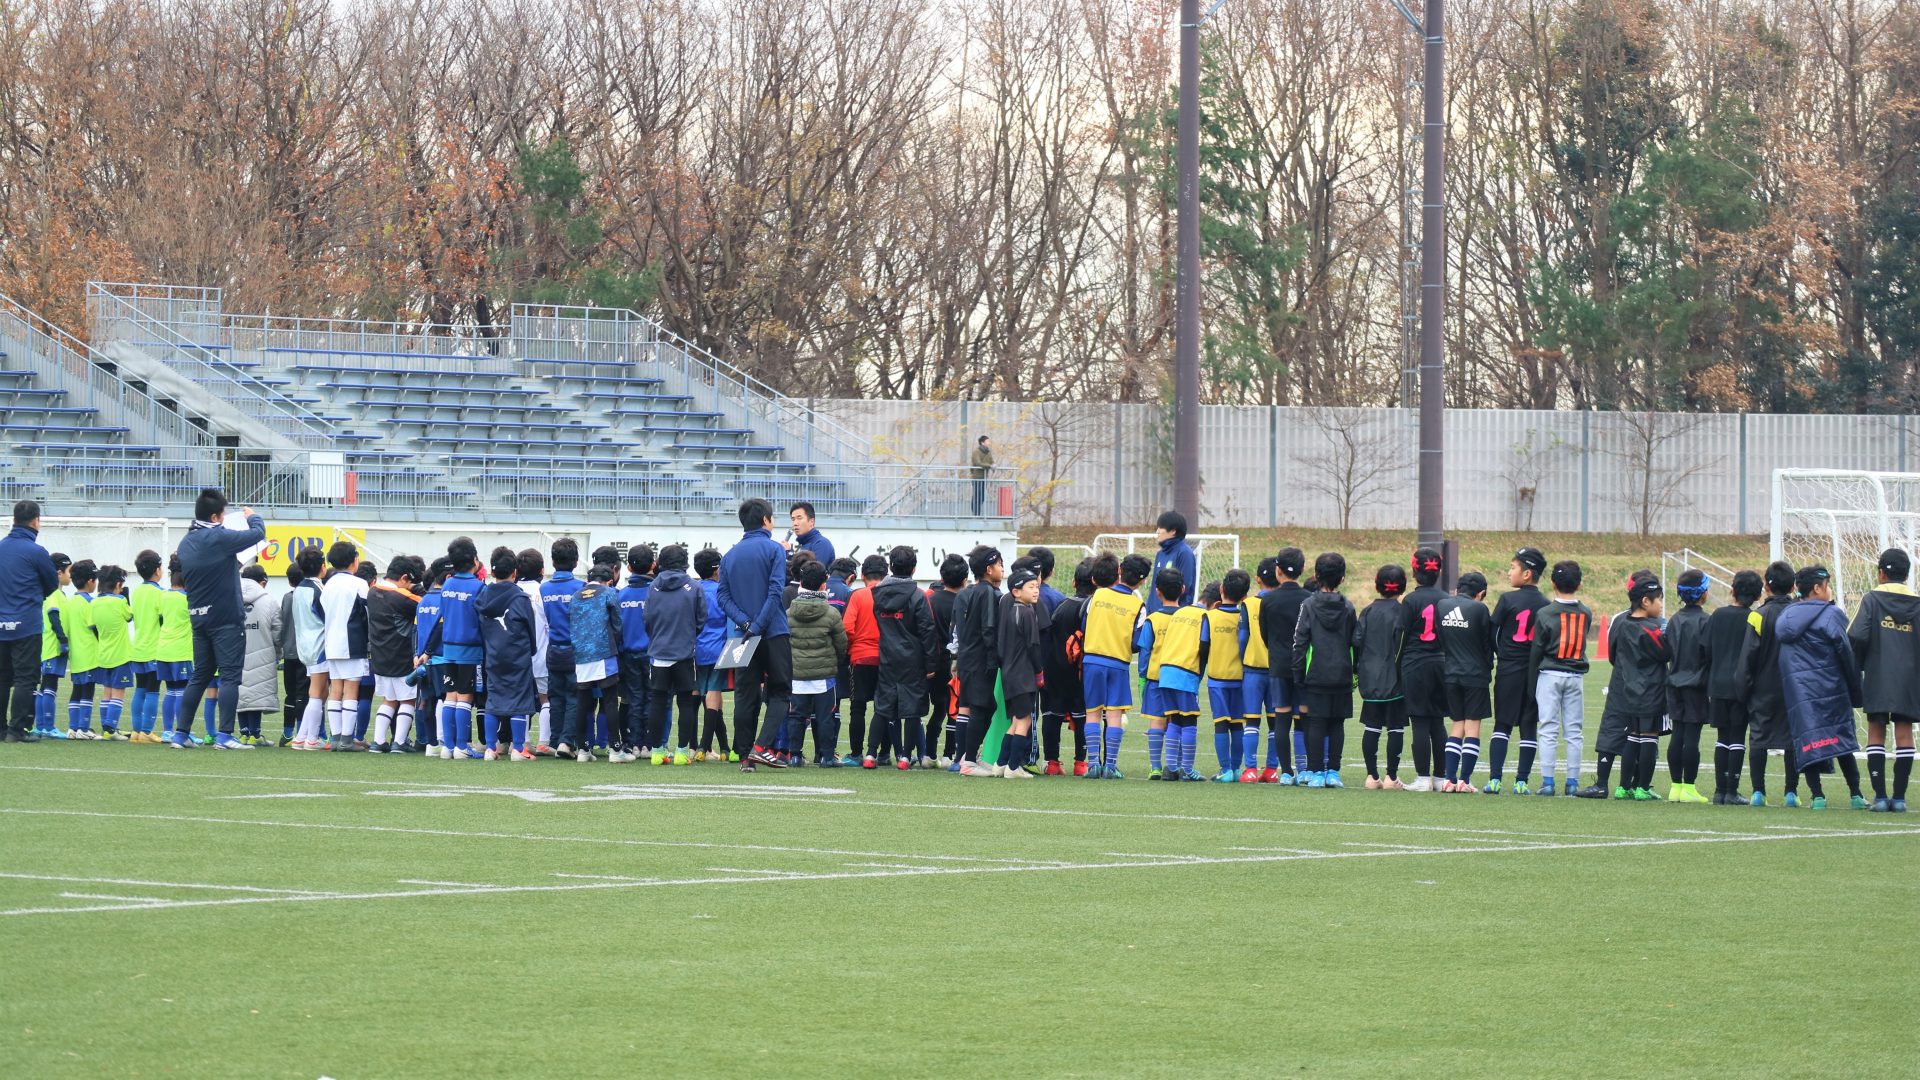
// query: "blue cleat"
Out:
[1333,779]
[1759,798]
[1227,776]
[1492,788]
[1546,786]
[1897,806]
[1880,805]
[1286,779]
[224,741]
[182,741]
[1316,780]
[1793,799]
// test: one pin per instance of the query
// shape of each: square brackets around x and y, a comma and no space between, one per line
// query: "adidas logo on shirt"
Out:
[1457,618]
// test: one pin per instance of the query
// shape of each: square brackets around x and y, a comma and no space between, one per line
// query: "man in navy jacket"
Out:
[211,569]
[753,575]
[807,534]
[27,578]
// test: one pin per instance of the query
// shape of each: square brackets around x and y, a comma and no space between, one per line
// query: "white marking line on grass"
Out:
[894,865]
[765,877]
[162,884]
[1295,850]
[1390,847]
[605,877]
[448,884]
[778,873]
[110,896]
[535,837]
[284,795]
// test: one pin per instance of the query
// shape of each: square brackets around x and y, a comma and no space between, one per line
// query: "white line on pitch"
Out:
[775,873]
[109,896]
[894,865]
[161,884]
[1292,850]
[1391,847]
[606,877]
[476,885]
[763,877]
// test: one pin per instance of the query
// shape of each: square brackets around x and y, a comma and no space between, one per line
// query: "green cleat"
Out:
[1622,793]
[1819,803]
[1112,773]
[1858,802]
[1153,774]
[1492,788]
[1520,788]
[1641,794]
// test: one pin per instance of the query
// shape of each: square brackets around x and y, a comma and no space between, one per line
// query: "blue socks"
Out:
[141,697]
[1223,746]
[1189,745]
[1156,738]
[1250,743]
[1096,742]
[489,729]
[209,712]
[520,733]
[1453,759]
[1113,733]
[110,715]
[44,702]
[1469,757]
[79,715]
[170,708]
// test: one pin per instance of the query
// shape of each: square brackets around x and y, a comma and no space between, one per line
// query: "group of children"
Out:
[502,659]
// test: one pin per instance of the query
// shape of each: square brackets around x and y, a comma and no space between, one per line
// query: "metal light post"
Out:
[1186,326]
[1433,267]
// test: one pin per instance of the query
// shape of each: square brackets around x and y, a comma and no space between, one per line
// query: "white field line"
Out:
[1389,847]
[108,896]
[476,885]
[763,878]
[161,884]
[535,837]
[606,877]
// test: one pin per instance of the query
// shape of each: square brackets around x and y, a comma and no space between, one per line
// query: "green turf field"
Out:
[278,914]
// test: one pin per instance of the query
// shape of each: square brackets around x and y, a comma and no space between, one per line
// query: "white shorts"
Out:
[596,671]
[395,688]
[348,670]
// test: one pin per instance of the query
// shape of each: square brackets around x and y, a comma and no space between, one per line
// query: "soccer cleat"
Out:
[1758,798]
[523,755]
[1113,773]
[1079,768]
[1249,776]
[732,757]
[1793,800]
[681,757]
[582,754]
[1880,805]
[1897,806]
[1094,771]
[659,756]
[763,756]
[1492,788]
[903,765]
[228,742]
[1641,794]
[1333,779]
[1622,793]
[490,754]
[1373,783]
[543,750]
[1857,802]
[1591,791]
[1520,788]
[1153,774]
[1546,786]
[467,753]
[1819,803]
[1015,774]
[1054,769]
[1269,776]
[829,762]
[974,768]
[868,762]
[1226,776]
[748,766]
[180,741]
[1316,780]
[1421,783]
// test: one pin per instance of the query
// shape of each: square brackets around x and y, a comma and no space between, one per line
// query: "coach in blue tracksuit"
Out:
[753,574]
[211,570]
[27,578]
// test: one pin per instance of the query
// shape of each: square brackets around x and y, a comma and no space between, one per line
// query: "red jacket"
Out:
[863,633]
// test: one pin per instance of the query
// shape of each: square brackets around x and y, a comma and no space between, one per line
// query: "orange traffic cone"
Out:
[1600,651]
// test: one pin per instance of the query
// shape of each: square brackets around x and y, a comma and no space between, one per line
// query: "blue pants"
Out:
[561,689]
[217,650]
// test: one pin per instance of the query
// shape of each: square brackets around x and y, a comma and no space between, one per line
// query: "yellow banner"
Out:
[285,542]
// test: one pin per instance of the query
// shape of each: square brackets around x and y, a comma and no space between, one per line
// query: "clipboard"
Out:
[737,653]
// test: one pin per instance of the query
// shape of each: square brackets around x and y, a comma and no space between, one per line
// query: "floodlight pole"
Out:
[1186,329]
[1433,263]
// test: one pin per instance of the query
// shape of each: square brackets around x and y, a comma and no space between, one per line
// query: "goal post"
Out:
[1213,553]
[1843,519]
[105,540]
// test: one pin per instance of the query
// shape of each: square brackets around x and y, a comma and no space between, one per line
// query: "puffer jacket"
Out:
[817,637]
[309,628]
[260,678]
[675,612]
[1819,681]
[908,641]
[1323,643]
[506,637]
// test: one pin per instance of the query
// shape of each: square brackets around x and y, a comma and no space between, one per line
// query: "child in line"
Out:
[595,616]
[1687,708]
[1171,643]
[1063,697]
[1279,616]
[1107,627]
[818,637]
[459,647]
[259,681]
[533,573]
[942,707]
[392,608]
[976,664]
[635,670]
[1254,679]
[1820,680]
[144,600]
[114,669]
[1636,692]
[1323,666]
[363,702]
[1377,637]
[1888,649]
[507,647]
[1731,639]
[1019,649]
[675,613]
[863,658]
[174,654]
[1423,672]
[907,647]
[1560,674]
[1226,670]
[1766,707]
[83,651]
[1466,643]
[1514,705]
[54,646]
[429,670]
[343,607]
[713,684]
[556,598]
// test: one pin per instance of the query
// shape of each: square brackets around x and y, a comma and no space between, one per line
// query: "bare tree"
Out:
[1363,457]
[1650,448]
[1532,460]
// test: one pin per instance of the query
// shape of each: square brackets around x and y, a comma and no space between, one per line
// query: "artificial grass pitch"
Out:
[278,914]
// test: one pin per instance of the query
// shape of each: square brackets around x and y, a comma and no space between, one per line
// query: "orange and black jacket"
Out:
[1560,637]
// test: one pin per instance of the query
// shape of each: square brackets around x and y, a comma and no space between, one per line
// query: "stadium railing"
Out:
[69,363]
[283,342]
[114,317]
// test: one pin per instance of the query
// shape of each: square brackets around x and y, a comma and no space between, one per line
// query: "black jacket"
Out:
[1763,662]
[1888,650]
[977,660]
[1323,642]
[1560,637]
[908,643]
[1422,611]
[1279,618]
[1731,639]
[390,613]
[1687,638]
[1018,643]
[1515,619]
[941,603]
[1062,673]
[1466,640]
[1640,654]
[1377,635]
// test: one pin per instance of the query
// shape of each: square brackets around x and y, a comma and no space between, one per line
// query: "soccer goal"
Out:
[1843,519]
[105,540]
[1213,553]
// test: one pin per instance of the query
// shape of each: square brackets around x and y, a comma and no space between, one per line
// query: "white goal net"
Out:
[1213,553]
[107,541]
[1843,520]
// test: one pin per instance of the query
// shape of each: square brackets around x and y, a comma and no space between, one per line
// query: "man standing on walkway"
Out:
[211,570]
[982,464]
[27,578]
